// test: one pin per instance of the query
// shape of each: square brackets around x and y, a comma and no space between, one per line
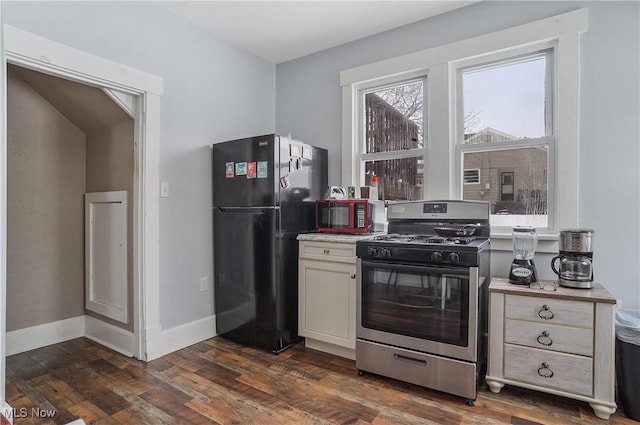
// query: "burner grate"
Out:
[425,239]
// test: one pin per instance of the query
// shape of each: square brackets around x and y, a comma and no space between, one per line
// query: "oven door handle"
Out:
[422,269]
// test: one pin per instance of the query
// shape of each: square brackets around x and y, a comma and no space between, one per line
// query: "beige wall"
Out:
[110,166]
[51,164]
[45,211]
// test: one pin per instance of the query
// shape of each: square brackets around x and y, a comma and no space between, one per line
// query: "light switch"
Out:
[164,189]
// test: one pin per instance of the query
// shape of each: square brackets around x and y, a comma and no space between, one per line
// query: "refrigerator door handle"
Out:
[247,210]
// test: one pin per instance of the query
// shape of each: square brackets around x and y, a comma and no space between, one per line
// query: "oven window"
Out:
[422,302]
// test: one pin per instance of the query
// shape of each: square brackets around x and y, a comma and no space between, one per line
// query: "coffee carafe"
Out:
[575,268]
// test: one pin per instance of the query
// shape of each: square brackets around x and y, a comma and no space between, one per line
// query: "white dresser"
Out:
[560,342]
[327,292]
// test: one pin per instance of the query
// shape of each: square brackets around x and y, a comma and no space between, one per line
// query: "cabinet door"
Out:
[327,308]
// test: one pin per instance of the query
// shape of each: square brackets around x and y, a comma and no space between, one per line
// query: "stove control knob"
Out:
[436,256]
[372,251]
[454,257]
[386,252]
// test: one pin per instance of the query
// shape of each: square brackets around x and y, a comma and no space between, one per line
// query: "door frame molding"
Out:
[40,54]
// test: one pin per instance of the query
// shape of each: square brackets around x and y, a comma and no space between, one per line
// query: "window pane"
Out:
[514,181]
[398,179]
[472,176]
[505,102]
[393,118]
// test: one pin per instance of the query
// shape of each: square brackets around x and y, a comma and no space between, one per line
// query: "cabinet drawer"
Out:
[573,374]
[558,312]
[558,338]
[327,251]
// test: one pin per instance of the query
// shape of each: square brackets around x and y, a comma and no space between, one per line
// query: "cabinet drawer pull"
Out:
[544,339]
[411,360]
[545,313]
[353,276]
[326,251]
[544,371]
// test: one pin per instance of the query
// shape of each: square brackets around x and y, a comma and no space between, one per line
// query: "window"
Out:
[472,176]
[393,139]
[505,130]
[505,104]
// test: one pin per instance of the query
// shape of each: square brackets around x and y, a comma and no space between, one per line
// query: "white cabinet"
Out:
[327,294]
[560,342]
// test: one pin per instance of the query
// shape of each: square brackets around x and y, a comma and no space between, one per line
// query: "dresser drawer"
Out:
[548,310]
[573,374]
[549,337]
[327,251]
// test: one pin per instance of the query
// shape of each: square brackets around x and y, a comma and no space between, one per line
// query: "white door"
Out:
[106,286]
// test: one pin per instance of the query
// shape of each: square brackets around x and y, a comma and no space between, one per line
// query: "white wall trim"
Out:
[549,28]
[3,215]
[47,55]
[182,336]
[110,336]
[38,336]
[40,54]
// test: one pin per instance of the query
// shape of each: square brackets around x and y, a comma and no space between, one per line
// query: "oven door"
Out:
[424,308]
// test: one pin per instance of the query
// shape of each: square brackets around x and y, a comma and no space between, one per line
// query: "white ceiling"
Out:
[279,31]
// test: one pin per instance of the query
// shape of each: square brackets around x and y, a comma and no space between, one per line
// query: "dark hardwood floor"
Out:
[221,382]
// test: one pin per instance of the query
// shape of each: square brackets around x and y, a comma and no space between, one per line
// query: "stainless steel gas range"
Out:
[422,296]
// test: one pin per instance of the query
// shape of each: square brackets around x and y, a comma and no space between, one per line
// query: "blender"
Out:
[525,241]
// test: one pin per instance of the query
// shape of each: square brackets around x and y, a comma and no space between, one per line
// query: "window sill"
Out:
[502,241]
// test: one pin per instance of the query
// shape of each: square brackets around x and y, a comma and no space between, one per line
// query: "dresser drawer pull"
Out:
[545,313]
[326,251]
[544,339]
[544,371]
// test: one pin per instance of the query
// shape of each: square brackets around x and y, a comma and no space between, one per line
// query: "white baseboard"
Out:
[39,336]
[153,349]
[182,336]
[116,338]
[42,335]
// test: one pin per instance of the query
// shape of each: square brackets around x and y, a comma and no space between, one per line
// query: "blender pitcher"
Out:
[523,270]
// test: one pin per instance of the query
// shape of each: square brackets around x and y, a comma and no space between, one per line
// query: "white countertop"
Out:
[335,237]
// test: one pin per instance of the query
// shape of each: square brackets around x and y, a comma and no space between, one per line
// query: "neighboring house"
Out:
[387,129]
[514,181]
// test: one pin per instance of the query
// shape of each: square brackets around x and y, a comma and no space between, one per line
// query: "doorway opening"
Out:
[138,94]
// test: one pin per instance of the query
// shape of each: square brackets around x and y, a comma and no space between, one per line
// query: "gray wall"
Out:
[45,211]
[213,91]
[309,106]
[110,166]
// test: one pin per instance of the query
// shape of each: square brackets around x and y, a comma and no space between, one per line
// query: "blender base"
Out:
[523,272]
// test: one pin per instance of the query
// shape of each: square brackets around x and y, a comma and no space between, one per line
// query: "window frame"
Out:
[547,49]
[360,157]
[441,177]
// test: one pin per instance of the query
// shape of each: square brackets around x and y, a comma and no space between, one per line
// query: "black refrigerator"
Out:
[264,192]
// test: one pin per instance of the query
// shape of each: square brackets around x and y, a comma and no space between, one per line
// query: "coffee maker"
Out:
[576,258]
[525,241]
